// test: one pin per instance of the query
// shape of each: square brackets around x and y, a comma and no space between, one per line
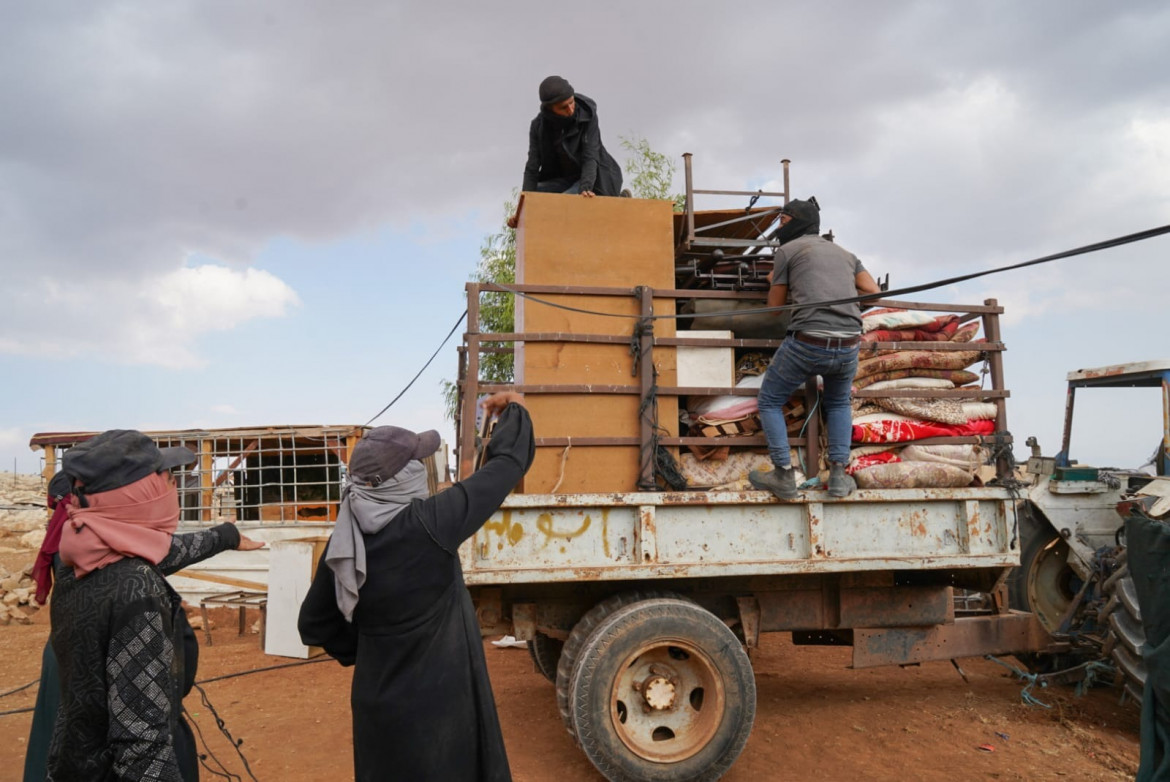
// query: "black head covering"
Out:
[554,89]
[806,219]
[120,457]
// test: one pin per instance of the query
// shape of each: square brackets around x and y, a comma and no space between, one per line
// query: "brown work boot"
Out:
[781,481]
[840,484]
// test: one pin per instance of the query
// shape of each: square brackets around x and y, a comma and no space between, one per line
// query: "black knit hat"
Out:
[385,450]
[120,457]
[554,89]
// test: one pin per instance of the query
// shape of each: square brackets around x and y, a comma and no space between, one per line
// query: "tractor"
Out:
[1073,574]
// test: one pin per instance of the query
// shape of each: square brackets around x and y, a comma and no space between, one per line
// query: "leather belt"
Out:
[829,343]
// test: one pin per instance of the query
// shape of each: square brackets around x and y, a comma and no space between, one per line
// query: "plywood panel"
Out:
[570,240]
[606,242]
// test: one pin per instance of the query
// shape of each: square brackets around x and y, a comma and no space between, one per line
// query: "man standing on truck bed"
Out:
[822,340]
[565,153]
[388,598]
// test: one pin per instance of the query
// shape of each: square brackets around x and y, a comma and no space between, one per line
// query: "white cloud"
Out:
[151,320]
[225,409]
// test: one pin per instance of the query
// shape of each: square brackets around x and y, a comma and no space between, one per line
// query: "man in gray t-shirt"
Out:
[822,340]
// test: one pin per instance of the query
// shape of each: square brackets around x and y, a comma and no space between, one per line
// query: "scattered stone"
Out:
[196,621]
[256,627]
[22,595]
[18,616]
[10,583]
[4,573]
[10,598]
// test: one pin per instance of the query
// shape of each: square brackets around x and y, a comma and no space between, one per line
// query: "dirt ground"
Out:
[816,719]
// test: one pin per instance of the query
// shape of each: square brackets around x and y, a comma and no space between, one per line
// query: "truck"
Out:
[644,603]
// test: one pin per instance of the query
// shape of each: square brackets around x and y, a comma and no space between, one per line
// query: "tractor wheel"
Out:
[1122,618]
[545,652]
[663,691]
[580,633]
[1044,583]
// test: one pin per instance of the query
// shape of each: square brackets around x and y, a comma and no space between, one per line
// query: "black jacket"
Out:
[580,154]
[122,642]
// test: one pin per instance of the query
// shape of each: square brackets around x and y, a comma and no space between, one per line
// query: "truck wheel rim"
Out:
[1051,584]
[667,701]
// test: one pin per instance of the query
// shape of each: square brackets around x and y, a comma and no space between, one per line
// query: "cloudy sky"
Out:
[222,213]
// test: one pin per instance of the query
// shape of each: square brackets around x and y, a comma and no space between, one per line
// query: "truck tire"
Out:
[663,691]
[1043,583]
[545,652]
[580,633]
[1125,635]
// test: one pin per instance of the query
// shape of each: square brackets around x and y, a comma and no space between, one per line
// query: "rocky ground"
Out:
[22,528]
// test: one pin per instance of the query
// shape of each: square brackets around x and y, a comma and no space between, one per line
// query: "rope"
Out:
[1085,249]
[564,461]
[1031,678]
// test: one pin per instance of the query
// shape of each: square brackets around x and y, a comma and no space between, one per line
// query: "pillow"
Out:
[894,319]
[911,382]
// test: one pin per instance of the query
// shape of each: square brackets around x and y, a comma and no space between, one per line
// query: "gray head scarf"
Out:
[365,510]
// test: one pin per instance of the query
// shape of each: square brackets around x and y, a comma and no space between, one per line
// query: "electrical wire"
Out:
[261,670]
[21,688]
[1088,248]
[424,369]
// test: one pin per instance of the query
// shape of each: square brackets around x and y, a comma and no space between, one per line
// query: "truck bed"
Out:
[647,535]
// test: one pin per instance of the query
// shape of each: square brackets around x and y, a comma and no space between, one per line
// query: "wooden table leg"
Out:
[206,622]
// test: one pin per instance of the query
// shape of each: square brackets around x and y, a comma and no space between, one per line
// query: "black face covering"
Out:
[806,219]
[556,120]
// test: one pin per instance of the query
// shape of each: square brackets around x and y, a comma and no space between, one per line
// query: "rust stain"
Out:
[605,532]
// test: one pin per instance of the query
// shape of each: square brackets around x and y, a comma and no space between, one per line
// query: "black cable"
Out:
[1088,248]
[223,772]
[16,711]
[261,670]
[219,723]
[424,369]
[19,689]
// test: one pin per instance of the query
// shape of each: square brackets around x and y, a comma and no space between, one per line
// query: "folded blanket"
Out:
[900,431]
[912,475]
[957,377]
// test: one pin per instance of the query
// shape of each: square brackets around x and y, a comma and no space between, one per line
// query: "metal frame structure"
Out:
[272,475]
[470,387]
[703,239]
[1137,374]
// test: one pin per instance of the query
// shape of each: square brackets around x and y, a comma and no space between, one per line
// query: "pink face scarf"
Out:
[136,520]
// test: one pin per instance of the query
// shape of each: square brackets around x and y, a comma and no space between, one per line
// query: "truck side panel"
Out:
[551,538]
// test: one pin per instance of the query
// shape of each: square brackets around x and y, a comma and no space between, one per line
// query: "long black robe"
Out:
[1148,546]
[422,704]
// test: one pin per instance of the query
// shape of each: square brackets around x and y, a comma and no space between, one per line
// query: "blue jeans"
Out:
[793,363]
[562,185]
